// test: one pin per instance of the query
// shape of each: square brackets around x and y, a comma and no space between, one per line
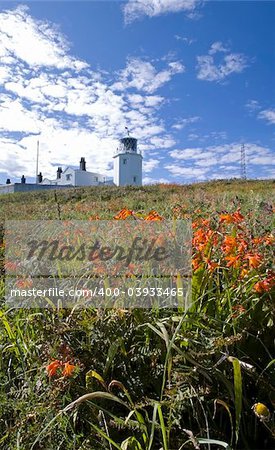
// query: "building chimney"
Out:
[59,172]
[82,164]
[8,181]
[39,177]
[23,179]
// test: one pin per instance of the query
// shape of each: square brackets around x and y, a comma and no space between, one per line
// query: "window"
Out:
[124,161]
[135,179]
[68,176]
[96,178]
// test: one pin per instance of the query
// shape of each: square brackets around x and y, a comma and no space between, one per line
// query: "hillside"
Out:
[150,379]
[81,203]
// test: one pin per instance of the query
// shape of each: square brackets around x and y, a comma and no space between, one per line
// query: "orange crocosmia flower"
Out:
[123,214]
[265,285]
[237,217]
[205,222]
[177,209]
[196,263]
[226,218]
[68,369]
[91,218]
[257,240]
[242,246]
[260,287]
[233,261]
[10,265]
[244,272]
[153,215]
[53,367]
[238,309]
[211,265]
[254,260]
[269,240]
[229,244]
[24,283]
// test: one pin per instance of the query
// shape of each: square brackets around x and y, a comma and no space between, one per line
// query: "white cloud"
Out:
[184,39]
[14,117]
[268,114]
[187,153]
[252,105]
[209,70]
[20,33]
[73,113]
[224,154]
[221,161]
[217,47]
[149,180]
[162,142]
[150,165]
[192,136]
[182,123]
[135,9]
[143,76]
[187,172]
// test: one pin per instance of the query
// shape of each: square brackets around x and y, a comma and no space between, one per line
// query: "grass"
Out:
[151,379]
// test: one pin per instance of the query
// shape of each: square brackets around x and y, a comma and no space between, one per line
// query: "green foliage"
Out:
[145,379]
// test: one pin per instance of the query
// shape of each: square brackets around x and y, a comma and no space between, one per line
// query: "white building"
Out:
[127,171]
[76,177]
[128,163]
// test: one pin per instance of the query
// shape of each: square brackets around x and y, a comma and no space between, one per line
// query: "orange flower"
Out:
[244,272]
[254,260]
[237,216]
[10,265]
[265,285]
[24,283]
[233,261]
[226,218]
[53,367]
[229,244]
[242,246]
[123,214]
[269,240]
[153,215]
[91,218]
[239,309]
[205,222]
[211,265]
[196,263]
[257,240]
[68,369]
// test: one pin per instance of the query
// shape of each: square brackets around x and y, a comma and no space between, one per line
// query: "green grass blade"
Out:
[237,394]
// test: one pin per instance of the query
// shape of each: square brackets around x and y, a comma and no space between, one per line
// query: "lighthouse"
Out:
[128,163]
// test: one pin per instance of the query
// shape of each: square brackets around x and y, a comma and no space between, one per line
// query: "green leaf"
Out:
[131,443]
[215,442]
[94,374]
[163,428]
[237,393]
[225,405]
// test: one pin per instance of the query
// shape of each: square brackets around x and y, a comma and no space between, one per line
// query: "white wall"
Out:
[128,169]
[84,178]
[77,177]
[67,177]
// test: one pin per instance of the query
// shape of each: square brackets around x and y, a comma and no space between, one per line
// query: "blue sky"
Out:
[192,80]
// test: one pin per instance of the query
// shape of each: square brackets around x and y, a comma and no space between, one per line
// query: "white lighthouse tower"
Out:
[128,163]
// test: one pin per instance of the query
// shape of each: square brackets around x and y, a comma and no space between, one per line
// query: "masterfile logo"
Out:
[139,263]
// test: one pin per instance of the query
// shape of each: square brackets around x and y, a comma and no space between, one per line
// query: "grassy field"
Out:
[151,379]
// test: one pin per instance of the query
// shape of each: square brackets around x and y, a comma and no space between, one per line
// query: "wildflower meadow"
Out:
[160,378]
